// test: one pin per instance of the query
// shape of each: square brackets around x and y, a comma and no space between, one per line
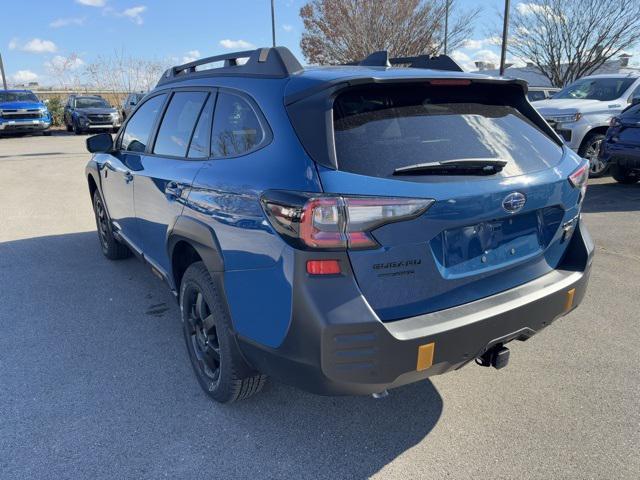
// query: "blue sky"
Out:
[37,34]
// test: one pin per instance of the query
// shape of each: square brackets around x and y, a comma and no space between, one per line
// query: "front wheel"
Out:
[624,175]
[76,128]
[217,363]
[590,149]
[111,248]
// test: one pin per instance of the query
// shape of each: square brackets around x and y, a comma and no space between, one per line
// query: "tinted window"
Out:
[603,89]
[236,128]
[178,123]
[381,128]
[91,102]
[17,97]
[136,134]
[632,111]
[536,95]
[199,147]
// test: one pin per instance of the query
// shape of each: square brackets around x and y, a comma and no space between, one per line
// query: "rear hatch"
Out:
[501,192]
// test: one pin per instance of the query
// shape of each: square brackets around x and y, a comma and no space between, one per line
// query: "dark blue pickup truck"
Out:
[22,112]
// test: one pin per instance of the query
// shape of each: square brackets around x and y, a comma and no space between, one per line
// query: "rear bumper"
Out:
[625,156]
[337,345]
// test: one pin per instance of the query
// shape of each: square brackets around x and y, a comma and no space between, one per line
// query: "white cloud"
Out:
[66,22]
[287,28]
[463,60]
[59,62]
[35,45]
[236,44]
[535,9]
[24,76]
[135,14]
[191,55]
[473,44]
[92,3]
[486,56]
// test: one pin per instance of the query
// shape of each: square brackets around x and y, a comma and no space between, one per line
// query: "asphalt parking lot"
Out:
[95,381]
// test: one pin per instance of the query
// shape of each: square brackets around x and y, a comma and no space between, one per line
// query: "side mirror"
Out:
[133,104]
[101,143]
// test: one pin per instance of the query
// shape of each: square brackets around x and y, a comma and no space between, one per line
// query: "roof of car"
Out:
[613,75]
[279,63]
[16,91]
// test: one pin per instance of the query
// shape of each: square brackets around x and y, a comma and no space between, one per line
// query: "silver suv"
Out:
[581,112]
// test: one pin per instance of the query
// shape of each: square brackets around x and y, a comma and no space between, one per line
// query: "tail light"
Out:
[579,178]
[330,222]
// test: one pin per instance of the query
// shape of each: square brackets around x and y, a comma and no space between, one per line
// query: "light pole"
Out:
[273,25]
[4,79]
[505,33]
[446,25]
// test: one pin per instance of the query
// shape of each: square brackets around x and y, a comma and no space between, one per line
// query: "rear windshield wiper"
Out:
[466,166]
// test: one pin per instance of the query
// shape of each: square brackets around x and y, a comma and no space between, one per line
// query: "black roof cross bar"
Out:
[381,59]
[276,62]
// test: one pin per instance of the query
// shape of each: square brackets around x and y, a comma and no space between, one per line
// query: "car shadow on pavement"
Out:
[612,197]
[96,381]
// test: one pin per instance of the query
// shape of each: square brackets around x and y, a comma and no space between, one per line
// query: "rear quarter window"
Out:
[380,128]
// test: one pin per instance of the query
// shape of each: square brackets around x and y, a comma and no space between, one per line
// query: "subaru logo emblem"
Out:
[514,202]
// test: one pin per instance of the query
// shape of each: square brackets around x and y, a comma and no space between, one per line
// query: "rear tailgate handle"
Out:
[173,190]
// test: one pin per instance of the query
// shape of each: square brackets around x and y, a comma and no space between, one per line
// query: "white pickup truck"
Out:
[581,112]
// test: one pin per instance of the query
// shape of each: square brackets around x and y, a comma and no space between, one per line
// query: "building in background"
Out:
[532,75]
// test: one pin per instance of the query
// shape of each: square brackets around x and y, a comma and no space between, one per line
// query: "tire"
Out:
[590,149]
[624,175]
[69,127]
[111,248]
[46,133]
[219,367]
[76,128]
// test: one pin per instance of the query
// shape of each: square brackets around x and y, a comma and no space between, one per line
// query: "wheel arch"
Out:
[192,240]
[93,185]
[594,131]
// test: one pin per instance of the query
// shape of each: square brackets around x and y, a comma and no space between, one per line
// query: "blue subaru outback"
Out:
[344,229]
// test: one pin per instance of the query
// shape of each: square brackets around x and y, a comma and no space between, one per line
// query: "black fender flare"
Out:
[201,237]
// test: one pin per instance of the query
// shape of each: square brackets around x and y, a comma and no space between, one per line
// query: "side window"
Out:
[137,131]
[635,95]
[199,147]
[236,128]
[178,123]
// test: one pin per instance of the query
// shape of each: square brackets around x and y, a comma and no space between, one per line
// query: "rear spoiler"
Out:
[382,59]
[345,82]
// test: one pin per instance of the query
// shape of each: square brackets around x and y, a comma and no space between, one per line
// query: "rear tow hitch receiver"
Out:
[496,357]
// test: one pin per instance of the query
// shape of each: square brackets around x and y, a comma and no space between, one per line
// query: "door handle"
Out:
[128,177]
[172,189]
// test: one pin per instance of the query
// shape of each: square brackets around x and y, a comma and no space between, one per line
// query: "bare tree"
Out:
[66,70]
[119,73]
[341,31]
[567,39]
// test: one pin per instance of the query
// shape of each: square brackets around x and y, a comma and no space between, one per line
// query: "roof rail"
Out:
[276,62]
[381,59]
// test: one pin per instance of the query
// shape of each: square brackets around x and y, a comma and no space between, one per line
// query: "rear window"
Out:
[381,128]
